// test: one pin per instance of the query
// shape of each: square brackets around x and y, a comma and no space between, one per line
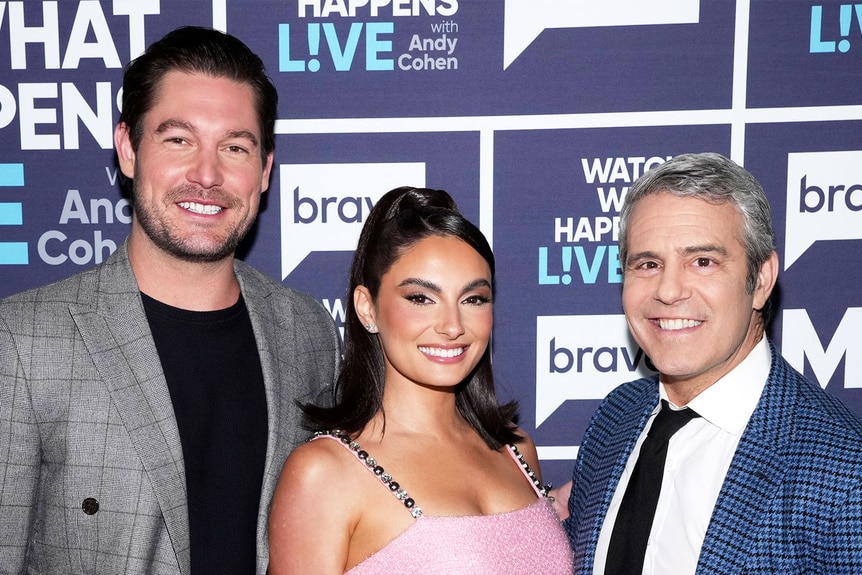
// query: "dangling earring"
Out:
[371,328]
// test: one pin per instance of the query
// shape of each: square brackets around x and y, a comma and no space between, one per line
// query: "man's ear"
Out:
[267,169]
[766,278]
[125,150]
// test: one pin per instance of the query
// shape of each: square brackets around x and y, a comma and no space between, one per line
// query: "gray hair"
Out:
[713,178]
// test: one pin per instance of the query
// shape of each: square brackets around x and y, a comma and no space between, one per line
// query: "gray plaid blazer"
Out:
[791,502]
[91,468]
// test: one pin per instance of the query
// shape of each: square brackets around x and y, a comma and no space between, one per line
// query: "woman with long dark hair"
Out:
[417,468]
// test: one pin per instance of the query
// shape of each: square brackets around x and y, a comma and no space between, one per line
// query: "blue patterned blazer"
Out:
[792,499]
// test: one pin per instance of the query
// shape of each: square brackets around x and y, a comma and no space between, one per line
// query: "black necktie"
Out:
[632,527]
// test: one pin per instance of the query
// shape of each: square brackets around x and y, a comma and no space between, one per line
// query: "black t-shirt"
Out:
[212,367]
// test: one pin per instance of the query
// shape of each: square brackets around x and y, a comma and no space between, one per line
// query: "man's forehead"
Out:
[697,203]
[165,113]
[690,216]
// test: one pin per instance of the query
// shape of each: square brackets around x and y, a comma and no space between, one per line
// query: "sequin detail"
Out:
[376,469]
[542,490]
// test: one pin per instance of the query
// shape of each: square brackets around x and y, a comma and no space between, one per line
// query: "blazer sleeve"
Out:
[19,456]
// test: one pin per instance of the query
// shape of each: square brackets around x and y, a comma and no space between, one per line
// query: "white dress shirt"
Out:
[698,458]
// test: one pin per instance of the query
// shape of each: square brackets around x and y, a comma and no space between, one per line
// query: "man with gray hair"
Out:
[728,460]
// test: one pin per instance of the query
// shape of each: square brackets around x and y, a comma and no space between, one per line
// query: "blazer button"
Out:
[90,506]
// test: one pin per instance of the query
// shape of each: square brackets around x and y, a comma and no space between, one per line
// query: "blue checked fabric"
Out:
[792,499]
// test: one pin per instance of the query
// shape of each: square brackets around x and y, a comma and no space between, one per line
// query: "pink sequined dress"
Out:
[528,541]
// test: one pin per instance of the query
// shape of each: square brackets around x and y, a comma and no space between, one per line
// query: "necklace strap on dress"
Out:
[373,467]
[541,490]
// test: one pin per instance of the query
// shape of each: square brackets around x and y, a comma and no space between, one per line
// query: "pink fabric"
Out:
[528,541]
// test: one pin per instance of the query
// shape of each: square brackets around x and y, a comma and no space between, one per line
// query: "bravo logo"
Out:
[824,200]
[583,357]
[323,206]
[526,19]
[799,341]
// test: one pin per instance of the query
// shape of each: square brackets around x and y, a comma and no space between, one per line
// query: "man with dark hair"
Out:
[147,405]
[728,461]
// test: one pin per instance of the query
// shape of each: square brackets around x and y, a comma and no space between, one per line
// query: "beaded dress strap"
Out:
[373,467]
[541,490]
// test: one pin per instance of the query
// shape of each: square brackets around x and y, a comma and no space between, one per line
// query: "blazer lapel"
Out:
[118,338]
[609,446]
[266,334]
[270,340]
[754,477]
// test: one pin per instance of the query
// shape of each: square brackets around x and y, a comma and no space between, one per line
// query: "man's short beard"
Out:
[183,249]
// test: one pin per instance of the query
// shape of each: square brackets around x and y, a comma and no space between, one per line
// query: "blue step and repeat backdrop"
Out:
[535,114]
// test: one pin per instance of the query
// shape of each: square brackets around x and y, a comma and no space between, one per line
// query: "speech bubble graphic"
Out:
[526,19]
[824,200]
[582,357]
[323,206]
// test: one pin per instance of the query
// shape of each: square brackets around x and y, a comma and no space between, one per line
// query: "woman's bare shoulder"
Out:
[313,509]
